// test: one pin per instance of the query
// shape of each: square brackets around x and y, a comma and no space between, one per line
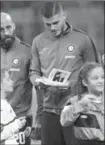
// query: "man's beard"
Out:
[7,42]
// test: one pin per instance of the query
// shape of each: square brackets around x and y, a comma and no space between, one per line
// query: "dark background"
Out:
[86,15]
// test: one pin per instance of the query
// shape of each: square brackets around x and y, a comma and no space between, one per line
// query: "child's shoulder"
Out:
[4,103]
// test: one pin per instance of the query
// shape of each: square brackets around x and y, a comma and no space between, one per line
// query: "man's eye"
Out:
[48,24]
[55,23]
[9,27]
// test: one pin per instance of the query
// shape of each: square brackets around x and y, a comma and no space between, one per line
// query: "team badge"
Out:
[45,48]
[71,48]
[84,116]
[16,61]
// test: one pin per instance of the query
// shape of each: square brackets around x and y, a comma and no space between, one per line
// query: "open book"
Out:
[56,77]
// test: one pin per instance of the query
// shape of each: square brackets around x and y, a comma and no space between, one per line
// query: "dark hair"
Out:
[51,8]
[83,75]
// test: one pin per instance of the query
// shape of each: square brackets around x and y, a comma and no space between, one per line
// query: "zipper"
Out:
[57,54]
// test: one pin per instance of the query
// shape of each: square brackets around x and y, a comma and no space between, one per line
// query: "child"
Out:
[86,110]
[9,124]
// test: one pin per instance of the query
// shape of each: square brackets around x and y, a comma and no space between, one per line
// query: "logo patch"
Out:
[84,116]
[71,48]
[15,69]
[45,48]
[16,61]
[70,57]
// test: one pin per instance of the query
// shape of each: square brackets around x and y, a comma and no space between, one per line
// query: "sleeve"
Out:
[90,52]
[35,68]
[7,113]
[10,129]
[36,130]
[70,113]
[39,93]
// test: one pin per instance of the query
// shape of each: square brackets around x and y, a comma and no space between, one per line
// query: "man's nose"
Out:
[6,32]
[52,27]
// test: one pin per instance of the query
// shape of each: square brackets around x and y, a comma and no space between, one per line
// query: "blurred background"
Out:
[86,15]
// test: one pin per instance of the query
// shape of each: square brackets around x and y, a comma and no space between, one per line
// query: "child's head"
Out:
[91,79]
[6,84]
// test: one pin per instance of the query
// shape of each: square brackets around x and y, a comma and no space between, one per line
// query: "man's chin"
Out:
[6,48]
[7,44]
[56,33]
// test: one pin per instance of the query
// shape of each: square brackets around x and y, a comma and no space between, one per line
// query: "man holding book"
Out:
[59,48]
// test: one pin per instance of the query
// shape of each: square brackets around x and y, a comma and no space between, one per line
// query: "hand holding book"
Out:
[58,78]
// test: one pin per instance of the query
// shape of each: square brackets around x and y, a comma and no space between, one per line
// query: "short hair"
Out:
[51,8]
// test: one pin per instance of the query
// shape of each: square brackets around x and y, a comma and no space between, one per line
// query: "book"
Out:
[57,77]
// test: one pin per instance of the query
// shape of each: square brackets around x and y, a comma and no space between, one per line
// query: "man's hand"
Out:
[38,81]
[40,84]
[48,82]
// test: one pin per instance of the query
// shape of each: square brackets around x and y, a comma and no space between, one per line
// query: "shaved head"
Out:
[5,16]
[7,31]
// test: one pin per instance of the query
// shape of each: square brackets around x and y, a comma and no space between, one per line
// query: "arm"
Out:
[35,68]
[36,130]
[12,128]
[34,73]
[70,113]
[90,53]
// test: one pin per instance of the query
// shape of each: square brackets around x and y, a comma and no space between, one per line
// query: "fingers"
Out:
[89,97]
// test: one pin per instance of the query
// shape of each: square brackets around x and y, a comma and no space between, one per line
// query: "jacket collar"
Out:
[16,41]
[68,29]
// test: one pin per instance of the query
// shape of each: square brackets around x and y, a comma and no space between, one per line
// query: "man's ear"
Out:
[84,82]
[14,26]
[64,15]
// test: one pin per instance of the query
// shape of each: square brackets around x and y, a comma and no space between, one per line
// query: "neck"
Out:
[97,94]
[65,26]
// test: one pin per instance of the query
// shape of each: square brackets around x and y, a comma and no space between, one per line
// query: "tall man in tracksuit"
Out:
[62,47]
[15,60]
